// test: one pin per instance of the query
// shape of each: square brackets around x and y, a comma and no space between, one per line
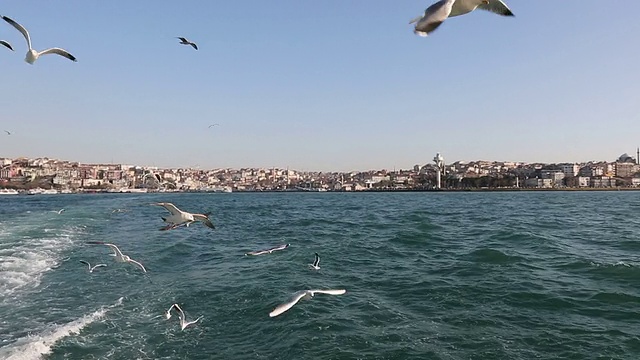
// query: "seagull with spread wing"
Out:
[302,294]
[33,55]
[90,267]
[268,251]
[437,13]
[179,217]
[184,41]
[119,256]
[183,320]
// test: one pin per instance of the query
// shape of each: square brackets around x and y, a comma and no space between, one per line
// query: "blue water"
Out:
[513,275]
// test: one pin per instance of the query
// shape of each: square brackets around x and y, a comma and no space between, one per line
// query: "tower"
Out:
[638,156]
[439,160]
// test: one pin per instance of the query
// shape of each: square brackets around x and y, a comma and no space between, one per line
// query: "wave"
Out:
[35,346]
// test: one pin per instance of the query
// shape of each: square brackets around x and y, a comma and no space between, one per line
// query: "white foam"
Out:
[24,260]
[35,346]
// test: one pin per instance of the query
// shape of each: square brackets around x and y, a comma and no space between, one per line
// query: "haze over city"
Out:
[323,86]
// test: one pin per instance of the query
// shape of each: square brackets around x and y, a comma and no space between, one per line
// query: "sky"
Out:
[327,85]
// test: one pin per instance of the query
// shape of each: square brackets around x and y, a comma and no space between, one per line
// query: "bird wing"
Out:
[281,247]
[330,292]
[170,207]
[182,39]
[192,322]
[317,260]
[20,28]
[203,218]
[5,43]
[85,262]
[289,304]
[194,45]
[59,51]
[497,7]
[99,265]
[139,264]
[115,248]
[433,17]
[416,19]
[257,252]
[8,133]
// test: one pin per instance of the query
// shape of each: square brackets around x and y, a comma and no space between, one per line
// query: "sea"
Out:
[428,275]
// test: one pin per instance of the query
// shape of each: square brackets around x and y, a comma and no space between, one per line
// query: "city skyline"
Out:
[327,86]
[429,160]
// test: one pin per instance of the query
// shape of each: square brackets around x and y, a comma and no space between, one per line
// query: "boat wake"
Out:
[35,346]
[27,253]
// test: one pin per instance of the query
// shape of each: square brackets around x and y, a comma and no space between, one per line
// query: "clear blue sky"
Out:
[320,85]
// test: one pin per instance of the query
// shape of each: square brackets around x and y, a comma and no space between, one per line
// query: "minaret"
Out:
[439,160]
[638,156]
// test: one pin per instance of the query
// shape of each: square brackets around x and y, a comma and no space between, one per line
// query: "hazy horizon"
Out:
[319,86]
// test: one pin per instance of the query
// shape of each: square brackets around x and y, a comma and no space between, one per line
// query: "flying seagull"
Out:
[316,263]
[8,133]
[92,268]
[268,251]
[212,125]
[120,257]
[183,322]
[179,217]
[184,41]
[437,13]
[33,55]
[60,211]
[6,43]
[303,294]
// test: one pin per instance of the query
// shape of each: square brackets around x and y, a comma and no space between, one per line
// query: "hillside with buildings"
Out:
[68,176]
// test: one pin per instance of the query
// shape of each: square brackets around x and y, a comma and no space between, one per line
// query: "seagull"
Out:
[316,261]
[119,211]
[184,41]
[33,55]
[8,132]
[302,294]
[60,211]
[120,257]
[92,268]
[6,43]
[437,13]
[212,125]
[461,7]
[179,217]
[183,322]
[268,251]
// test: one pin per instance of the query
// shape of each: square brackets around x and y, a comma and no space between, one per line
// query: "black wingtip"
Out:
[509,13]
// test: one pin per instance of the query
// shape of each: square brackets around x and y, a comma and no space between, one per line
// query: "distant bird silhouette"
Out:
[5,43]
[8,133]
[33,55]
[212,125]
[184,41]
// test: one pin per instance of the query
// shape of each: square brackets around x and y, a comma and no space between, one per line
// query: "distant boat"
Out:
[8,192]
[35,191]
[49,192]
